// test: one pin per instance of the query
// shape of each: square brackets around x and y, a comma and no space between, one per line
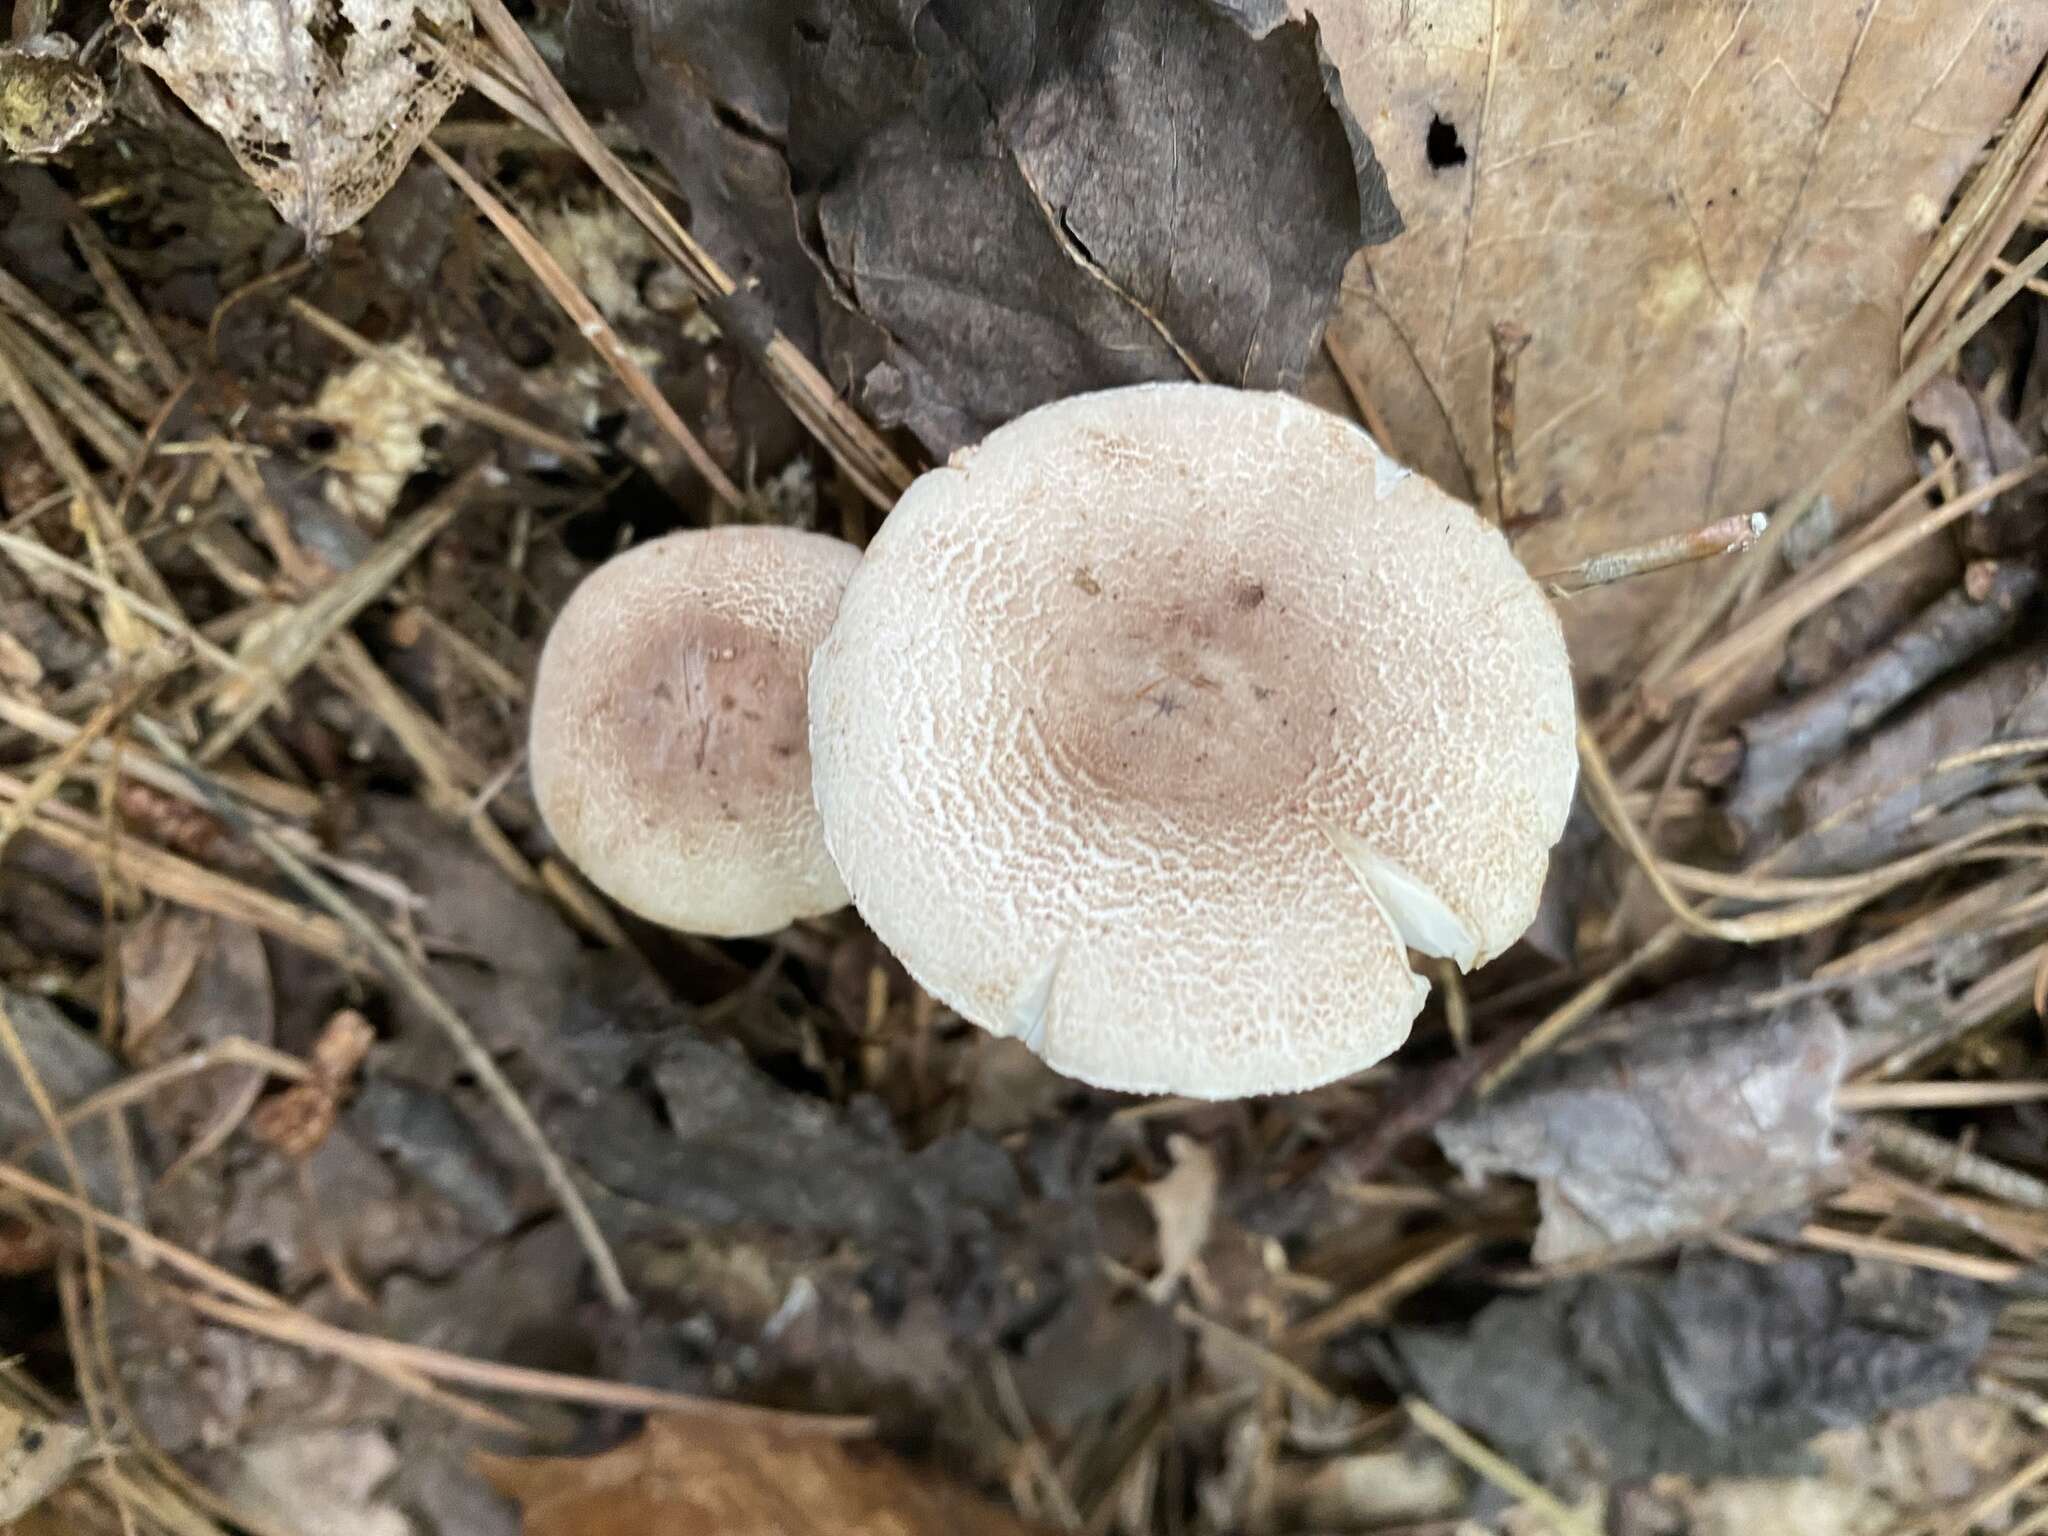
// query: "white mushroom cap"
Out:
[667,746]
[1157,729]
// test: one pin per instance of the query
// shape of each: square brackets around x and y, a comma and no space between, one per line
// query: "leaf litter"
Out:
[1796,1194]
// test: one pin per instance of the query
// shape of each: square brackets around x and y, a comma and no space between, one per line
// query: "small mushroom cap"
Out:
[1158,728]
[668,749]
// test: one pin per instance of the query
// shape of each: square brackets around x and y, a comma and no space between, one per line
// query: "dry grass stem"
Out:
[1917,1255]
[188,884]
[592,325]
[1769,625]
[1377,1301]
[1497,1470]
[1728,536]
[299,641]
[130,691]
[293,1327]
[66,338]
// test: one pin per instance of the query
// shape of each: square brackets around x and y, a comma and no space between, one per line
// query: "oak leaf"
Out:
[1708,217]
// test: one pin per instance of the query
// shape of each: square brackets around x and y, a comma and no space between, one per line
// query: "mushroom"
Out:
[667,746]
[1159,728]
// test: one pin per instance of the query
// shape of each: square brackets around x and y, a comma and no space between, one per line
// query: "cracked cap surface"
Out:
[1157,728]
[667,747]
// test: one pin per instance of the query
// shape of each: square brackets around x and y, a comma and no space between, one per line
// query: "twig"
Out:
[193,885]
[121,299]
[2021,166]
[1836,896]
[105,428]
[1781,744]
[1375,1302]
[1776,619]
[1985,1505]
[1860,1098]
[1509,340]
[147,1244]
[273,795]
[39,317]
[1497,1470]
[129,694]
[1930,1154]
[29,552]
[99,522]
[1729,536]
[1918,1255]
[101,1354]
[1018,1420]
[400,968]
[1581,1006]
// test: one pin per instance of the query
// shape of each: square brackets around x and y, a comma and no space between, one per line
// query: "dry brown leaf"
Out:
[322,101]
[712,1477]
[1707,216]
[296,1120]
[190,980]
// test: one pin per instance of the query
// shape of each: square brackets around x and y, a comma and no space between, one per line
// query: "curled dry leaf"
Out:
[190,981]
[296,1120]
[1001,182]
[322,101]
[1708,217]
[714,1477]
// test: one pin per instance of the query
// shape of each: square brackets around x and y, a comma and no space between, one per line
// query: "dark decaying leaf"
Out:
[738,1150]
[428,1137]
[1677,1131]
[498,953]
[1717,1368]
[192,981]
[72,1066]
[1009,202]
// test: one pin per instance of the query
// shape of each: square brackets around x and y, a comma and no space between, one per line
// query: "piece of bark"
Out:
[1780,746]
[1879,786]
